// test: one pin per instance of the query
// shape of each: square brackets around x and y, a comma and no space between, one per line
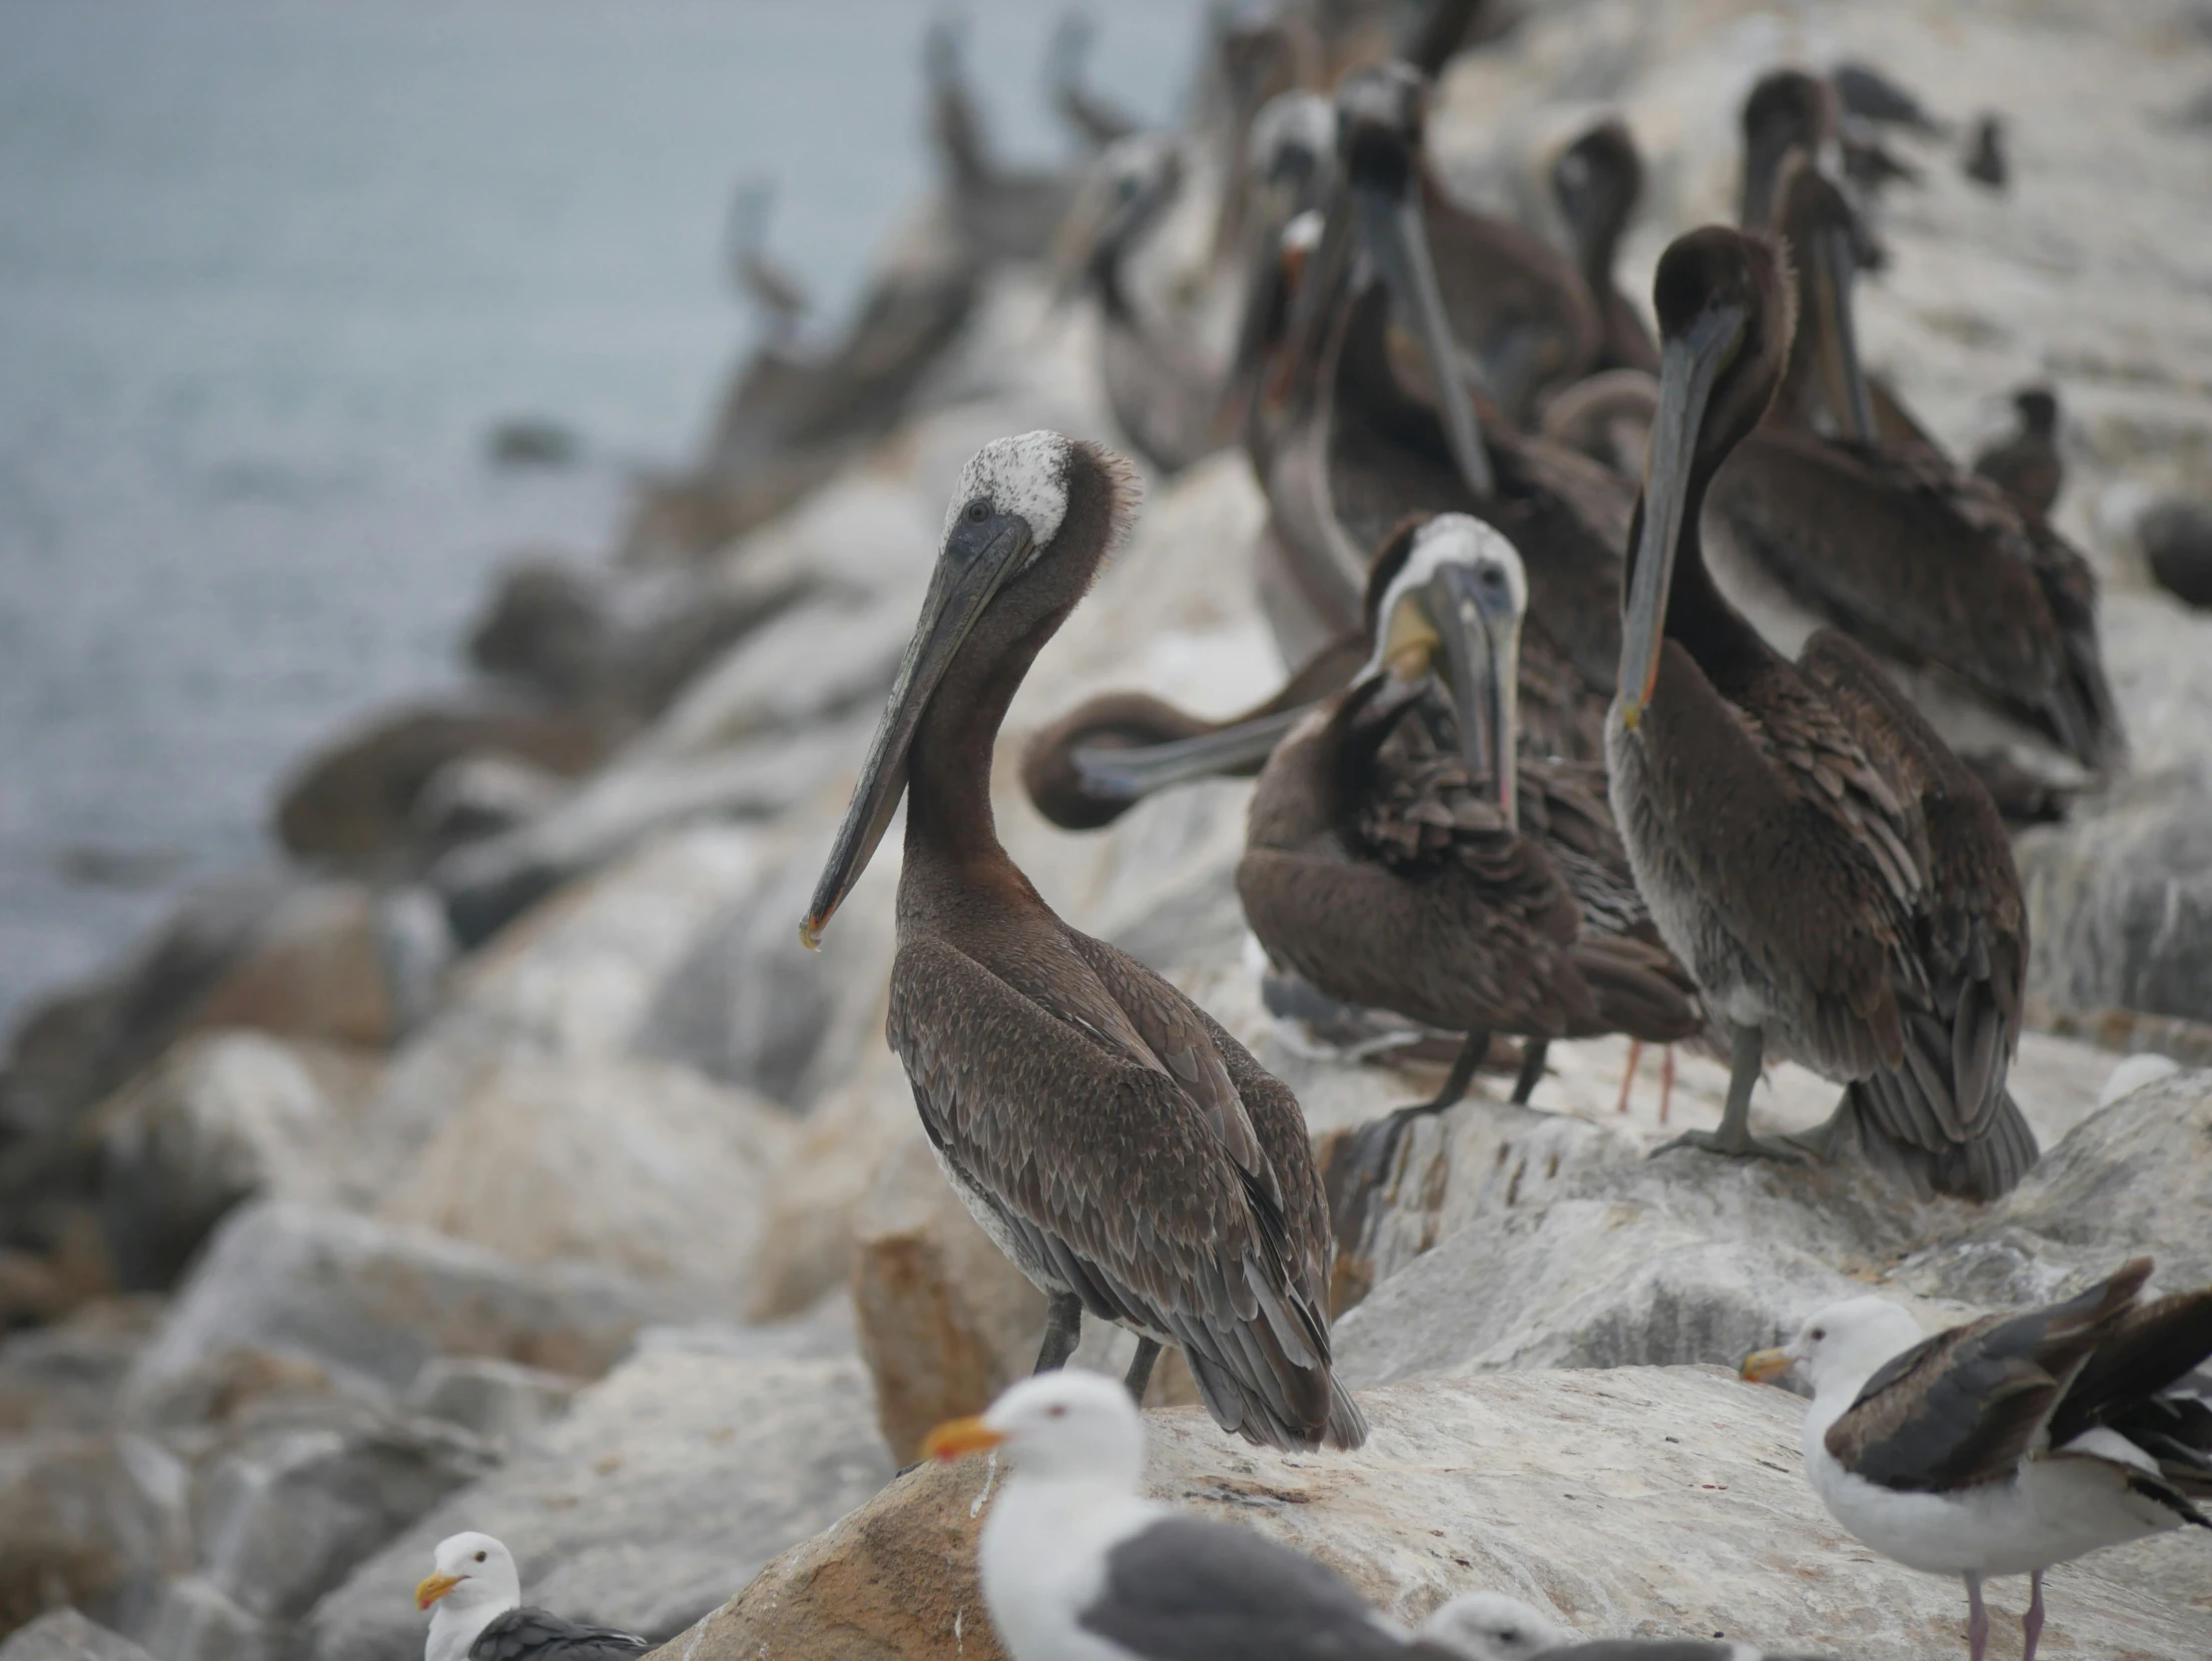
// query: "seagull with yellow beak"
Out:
[476,1597]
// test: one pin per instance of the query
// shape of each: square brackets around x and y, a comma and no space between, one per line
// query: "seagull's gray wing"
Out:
[539,1635]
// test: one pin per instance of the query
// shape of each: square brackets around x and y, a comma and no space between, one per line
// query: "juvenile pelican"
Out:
[1838,883]
[1127,1152]
[1597,180]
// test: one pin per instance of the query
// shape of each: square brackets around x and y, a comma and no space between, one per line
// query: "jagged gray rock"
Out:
[659,1495]
[66,1635]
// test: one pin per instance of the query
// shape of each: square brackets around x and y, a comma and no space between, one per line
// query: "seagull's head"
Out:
[1840,1348]
[468,1573]
[1489,1626]
[1064,1424]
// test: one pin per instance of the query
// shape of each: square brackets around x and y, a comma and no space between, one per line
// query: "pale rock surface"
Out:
[91,1520]
[635,1166]
[65,1376]
[369,1304]
[222,1115]
[661,1494]
[817,1200]
[1633,1502]
[501,1401]
[66,1635]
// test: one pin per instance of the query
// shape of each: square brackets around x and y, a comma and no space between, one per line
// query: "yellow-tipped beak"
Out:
[809,935]
[1632,717]
[435,1589]
[958,1436]
[1763,1366]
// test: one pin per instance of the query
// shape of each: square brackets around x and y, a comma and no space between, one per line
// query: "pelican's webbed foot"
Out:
[1733,1136]
[1743,1146]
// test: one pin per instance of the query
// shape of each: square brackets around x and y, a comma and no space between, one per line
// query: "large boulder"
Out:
[1634,1502]
[66,1375]
[638,1167]
[221,1116]
[369,1304]
[664,1490]
[66,1635]
[91,1520]
[2121,901]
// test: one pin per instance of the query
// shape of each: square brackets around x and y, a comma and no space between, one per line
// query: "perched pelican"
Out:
[1164,382]
[1986,615]
[2026,467]
[1871,96]
[1464,888]
[1127,1152]
[1071,768]
[2013,1442]
[1098,123]
[1355,447]
[1838,883]
[1002,215]
[1789,110]
[1597,180]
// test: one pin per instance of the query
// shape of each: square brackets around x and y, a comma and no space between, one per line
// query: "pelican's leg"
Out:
[1140,1375]
[1734,1137]
[2033,1625]
[1977,1622]
[1063,1326]
[1533,1052]
[1628,1076]
[1464,1065]
[1665,1082]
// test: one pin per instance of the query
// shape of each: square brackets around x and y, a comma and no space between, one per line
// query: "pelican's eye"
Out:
[979,511]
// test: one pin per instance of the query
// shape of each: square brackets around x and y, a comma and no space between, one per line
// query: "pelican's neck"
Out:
[949,768]
[454,1627]
[1699,617]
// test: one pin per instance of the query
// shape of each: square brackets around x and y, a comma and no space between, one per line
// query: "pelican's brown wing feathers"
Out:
[1107,1168]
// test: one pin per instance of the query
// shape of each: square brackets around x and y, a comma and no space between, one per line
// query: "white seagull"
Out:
[2014,1441]
[477,1597]
[1078,1566]
[1489,1626]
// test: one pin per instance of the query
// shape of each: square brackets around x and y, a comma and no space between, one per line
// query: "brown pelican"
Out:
[1128,1154]
[1597,180]
[1353,447]
[1463,887]
[1838,883]
[1789,110]
[1871,96]
[1068,769]
[1098,123]
[1606,416]
[2026,467]
[1002,215]
[1986,615]
[1164,382]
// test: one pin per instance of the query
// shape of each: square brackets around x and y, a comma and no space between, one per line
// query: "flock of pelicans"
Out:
[1666,687]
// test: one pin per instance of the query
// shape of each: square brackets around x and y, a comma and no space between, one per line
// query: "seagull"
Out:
[479,1615]
[1489,1626]
[1078,1566]
[2012,1442]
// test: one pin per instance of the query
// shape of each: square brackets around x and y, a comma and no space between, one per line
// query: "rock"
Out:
[661,1494]
[945,1318]
[2120,900]
[1633,1502]
[485,885]
[369,1302]
[317,968]
[632,1165]
[546,626]
[92,1520]
[66,1377]
[66,1635]
[807,1244]
[2176,539]
[194,1621]
[475,796]
[353,803]
[299,1492]
[221,1116]
[501,1401]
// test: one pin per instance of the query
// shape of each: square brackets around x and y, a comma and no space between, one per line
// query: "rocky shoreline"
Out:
[508,1164]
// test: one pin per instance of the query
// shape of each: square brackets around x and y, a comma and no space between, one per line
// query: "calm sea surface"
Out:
[269,270]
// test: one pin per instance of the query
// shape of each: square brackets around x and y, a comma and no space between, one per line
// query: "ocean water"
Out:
[269,270]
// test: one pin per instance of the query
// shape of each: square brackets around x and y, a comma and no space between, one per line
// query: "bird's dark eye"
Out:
[979,511]
[479,1556]
[1493,578]
[1817,1334]
[1055,1413]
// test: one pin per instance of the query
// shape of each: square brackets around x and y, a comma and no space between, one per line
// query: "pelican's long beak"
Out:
[1481,633]
[979,556]
[436,1587]
[1763,1366]
[1689,365]
[1835,264]
[1392,224]
[1324,274]
[958,1437]
[1131,774]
